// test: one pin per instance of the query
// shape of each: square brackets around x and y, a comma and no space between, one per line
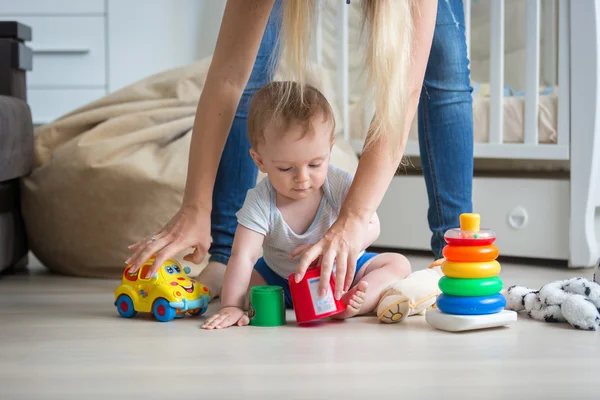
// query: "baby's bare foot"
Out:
[353,299]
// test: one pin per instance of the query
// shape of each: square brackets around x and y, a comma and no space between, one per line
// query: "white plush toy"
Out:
[575,300]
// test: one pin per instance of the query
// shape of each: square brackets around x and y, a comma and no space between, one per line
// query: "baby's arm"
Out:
[245,252]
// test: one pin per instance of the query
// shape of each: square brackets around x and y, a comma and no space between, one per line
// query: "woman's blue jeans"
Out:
[445,134]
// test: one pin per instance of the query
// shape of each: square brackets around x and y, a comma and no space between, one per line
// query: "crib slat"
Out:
[467,4]
[532,74]
[496,71]
[564,82]
[342,65]
[319,34]
[550,41]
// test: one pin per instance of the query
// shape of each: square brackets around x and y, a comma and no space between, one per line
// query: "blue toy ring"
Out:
[479,305]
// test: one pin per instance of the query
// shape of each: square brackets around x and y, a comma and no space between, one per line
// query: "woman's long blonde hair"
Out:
[388,28]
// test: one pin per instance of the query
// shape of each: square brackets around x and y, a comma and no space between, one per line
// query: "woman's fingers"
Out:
[341,272]
[142,242]
[136,245]
[147,252]
[334,255]
[306,260]
[350,270]
[147,240]
[163,255]
[174,248]
[190,227]
[326,269]
[142,245]
[197,255]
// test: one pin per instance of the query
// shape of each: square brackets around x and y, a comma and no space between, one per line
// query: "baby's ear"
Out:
[257,160]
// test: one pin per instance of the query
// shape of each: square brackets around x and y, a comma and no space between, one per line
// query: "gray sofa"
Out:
[16,141]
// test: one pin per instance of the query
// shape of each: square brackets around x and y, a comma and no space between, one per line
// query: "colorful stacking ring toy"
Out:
[470,287]
[468,270]
[471,305]
[471,297]
[470,253]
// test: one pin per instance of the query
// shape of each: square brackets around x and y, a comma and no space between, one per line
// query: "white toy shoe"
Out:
[412,295]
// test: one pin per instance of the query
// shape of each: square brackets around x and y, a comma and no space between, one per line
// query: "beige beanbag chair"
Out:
[113,171]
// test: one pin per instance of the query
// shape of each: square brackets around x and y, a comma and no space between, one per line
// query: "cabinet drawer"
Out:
[52,7]
[529,216]
[67,51]
[49,104]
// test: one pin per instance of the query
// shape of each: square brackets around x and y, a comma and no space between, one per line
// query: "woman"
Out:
[408,77]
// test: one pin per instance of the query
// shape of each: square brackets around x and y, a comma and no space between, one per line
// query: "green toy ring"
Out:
[470,287]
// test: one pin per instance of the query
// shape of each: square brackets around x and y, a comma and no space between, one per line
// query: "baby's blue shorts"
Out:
[271,278]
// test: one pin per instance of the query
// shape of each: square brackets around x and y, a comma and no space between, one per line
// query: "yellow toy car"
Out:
[169,294]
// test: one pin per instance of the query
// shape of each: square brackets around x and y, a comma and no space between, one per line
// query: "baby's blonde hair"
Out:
[388,26]
[300,106]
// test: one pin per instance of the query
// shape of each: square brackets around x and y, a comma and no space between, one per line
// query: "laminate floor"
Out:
[61,338]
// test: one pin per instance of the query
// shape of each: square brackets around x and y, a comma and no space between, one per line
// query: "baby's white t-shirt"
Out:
[260,214]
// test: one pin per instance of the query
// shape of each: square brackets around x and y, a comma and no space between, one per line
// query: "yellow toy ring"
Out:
[469,270]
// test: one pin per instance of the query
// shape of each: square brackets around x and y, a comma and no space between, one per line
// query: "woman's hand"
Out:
[189,228]
[341,245]
[226,317]
[242,29]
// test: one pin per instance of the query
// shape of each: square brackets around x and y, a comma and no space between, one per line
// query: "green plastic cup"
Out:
[267,306]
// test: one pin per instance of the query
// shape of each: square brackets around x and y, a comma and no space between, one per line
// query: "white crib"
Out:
[536,212]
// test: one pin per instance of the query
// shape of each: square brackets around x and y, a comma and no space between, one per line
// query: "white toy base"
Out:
[457,323]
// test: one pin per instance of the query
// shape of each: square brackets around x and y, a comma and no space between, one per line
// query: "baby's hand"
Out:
[226,317]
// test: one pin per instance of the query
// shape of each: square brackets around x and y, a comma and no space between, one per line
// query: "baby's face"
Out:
[296,166]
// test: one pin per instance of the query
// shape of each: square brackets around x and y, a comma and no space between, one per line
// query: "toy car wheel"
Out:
[199,311]
[204,306]
[125,306]
[162,311]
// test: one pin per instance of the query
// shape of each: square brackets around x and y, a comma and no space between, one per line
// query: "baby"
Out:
[294,206]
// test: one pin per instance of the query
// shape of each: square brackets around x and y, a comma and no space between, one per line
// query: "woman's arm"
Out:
[242,29]
[239,39]
[378,164]
[376,169]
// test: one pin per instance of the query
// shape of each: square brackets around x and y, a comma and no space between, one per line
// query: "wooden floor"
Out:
[61,338]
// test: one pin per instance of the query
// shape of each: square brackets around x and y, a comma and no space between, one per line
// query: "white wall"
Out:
[212,14]
[85,49]
[149,36]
